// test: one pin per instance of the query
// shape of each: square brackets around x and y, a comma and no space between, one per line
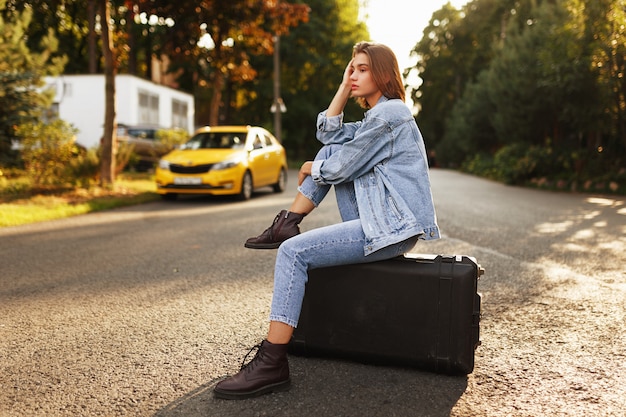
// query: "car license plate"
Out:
[187,180]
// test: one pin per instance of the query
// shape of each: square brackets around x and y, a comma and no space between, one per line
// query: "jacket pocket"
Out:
[394,207]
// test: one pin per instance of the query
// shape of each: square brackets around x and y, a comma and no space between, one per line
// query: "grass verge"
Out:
[129,189]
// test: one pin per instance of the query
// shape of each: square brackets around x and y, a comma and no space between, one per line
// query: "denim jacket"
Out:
[384,155]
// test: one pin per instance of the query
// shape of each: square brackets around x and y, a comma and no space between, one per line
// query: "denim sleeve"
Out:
[329,124]
[332,130]
[315,171]
[370,145]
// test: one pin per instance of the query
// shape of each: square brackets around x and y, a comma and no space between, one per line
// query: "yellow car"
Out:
[223,160]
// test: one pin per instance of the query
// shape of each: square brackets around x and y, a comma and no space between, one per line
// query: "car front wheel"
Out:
[281,184]
[246,187]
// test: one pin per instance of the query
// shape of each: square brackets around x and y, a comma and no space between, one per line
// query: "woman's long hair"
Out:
[385,70]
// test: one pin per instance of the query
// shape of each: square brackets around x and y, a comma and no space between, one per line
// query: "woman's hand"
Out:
[343,93]
[305,171]
[347,73]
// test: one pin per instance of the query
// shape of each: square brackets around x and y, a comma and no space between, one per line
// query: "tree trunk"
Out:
[92,9]
[132,41]
[107,159]
[216,99]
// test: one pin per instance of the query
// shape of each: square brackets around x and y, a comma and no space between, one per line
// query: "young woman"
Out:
[379,169]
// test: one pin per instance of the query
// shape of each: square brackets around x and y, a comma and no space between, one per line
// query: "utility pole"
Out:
[278,107]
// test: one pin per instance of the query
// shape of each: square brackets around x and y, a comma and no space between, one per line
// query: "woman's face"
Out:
[363,84]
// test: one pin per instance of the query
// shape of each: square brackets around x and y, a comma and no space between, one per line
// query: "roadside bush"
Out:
[11,172]
[14,186]
[83,169]
[48,149]
[172,137]
[125,156]
[512,164]
[518,163]
[482,165]
[544,167]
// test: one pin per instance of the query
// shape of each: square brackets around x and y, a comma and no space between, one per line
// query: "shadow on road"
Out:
[323,387]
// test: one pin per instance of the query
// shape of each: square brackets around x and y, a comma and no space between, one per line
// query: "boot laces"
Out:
[258,354]
[269,231]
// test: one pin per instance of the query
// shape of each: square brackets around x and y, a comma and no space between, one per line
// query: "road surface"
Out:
[140,311]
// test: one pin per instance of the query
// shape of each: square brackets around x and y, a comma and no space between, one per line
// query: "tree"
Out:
[92,38]
[70,21]
[552,90]
[107,162]
[313,58]
[239,56]
[469,128]
[456,46]
[48,151]
[237,31]
[437,65]
[21,76]
[605,35]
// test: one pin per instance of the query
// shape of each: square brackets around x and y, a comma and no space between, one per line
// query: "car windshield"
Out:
[142,133]
[216,140]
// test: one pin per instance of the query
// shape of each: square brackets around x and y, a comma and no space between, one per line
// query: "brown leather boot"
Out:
[267,372]
[285,226]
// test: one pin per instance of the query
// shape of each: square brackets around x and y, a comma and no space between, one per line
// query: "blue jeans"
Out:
[338,244]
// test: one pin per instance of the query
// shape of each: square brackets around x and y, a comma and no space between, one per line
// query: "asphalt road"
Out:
[140,311]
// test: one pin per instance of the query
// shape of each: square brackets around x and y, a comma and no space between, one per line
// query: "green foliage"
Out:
[14,186]
[512,164]
[68,20]
[455,49]
[544,166]
[83,168]
[518,162]
[540,80]
[313,58]
[124,156]
[48,150]
[316,42]
[171,138]
[540,72]
[239,30]
[469,127]
[21,77]
[515,89]
[29,206]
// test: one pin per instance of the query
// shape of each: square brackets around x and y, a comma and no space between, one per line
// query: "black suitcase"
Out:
[420,311]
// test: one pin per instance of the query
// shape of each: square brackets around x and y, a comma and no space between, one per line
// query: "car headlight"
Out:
[163,164]
[228,163]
